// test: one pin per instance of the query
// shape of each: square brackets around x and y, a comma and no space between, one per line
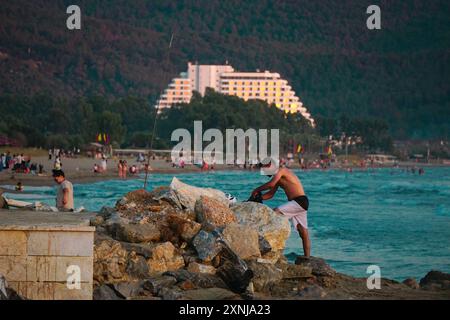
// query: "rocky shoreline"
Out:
[185,242]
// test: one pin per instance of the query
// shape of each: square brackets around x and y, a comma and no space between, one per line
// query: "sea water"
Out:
[387,217]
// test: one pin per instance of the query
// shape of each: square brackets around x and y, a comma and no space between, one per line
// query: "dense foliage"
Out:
[45,121]
[336,65]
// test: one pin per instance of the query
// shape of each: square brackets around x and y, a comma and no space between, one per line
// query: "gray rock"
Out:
[264,245]
[435,280]
[3,286]
[210,294]
[412,283]
[137,267]
[265,275]
[206,245]
[274,228]
[199,280]
[105,292]
[155,284]
[312,292]
[187,195]
[319,266]
[170,293]
[129,289]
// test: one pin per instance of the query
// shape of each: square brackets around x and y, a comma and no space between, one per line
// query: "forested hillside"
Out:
[335,64]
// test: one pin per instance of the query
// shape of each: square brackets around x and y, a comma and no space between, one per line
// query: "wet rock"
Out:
[293,271]
[242,240]
[200,280]
[312,292]
[213,212]
[187,195]
[136,233]
[105,292]
[210,294]
[265,275]
[435,280]
[319,266]
[201,268]
[110,262]
[164,257]
[412,283]
[274,228]
[206,245]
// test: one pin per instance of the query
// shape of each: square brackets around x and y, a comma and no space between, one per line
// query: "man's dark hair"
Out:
[58,173]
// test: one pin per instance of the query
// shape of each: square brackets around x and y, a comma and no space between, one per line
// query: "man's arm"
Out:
[269,195]
[272,184]
[65,196]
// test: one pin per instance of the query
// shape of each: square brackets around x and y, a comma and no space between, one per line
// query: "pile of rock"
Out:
[187,242]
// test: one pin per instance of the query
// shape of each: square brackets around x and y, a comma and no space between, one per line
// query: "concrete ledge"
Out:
[37,248]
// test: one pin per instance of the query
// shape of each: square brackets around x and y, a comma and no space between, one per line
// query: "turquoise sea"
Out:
[399,221]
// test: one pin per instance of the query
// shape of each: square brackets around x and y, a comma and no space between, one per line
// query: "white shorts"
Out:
[294,211]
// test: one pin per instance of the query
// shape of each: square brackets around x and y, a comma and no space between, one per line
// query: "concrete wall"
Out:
[34,256]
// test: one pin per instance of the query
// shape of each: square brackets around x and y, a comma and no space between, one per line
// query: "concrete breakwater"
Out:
[185,242]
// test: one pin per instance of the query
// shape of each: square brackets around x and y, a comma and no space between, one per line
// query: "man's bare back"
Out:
[285,179]
[291,184]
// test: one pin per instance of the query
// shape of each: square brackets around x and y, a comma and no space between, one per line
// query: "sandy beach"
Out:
[80,170]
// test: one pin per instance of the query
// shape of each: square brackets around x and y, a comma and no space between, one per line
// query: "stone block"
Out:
[13,243]
[14,268]
[57,243]
[41,268]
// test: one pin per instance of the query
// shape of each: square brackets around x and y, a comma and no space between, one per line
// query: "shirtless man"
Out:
[297,206]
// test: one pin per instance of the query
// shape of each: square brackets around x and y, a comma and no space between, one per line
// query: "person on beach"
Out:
[120,168]
[124,169]
[64,196]
[297,206]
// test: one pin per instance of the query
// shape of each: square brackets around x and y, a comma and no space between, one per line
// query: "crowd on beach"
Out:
[19,163]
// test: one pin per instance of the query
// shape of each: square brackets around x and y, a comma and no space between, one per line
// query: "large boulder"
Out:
[164,257]
[242,240]
[187,195]
[212,212]
[274,228]
[136,233]
[184,229]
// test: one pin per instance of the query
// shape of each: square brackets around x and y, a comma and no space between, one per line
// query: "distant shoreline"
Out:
[84,177]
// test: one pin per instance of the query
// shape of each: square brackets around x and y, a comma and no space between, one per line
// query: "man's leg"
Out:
[304,234]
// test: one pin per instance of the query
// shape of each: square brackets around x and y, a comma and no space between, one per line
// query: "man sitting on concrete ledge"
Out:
[64,196]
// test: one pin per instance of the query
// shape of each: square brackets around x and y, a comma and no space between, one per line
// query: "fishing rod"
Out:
[156,114]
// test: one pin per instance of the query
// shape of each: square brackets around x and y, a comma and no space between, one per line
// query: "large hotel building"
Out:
[267,86]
